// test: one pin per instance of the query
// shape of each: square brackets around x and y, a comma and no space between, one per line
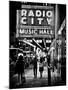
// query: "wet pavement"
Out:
[35,82]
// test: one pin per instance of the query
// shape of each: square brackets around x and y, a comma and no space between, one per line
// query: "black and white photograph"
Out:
[37,44]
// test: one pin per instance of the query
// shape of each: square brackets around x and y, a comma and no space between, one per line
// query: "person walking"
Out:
[20,68]
[41,67]
[35,66]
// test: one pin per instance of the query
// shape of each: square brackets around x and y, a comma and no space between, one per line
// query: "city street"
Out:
[35,82]
[37,44]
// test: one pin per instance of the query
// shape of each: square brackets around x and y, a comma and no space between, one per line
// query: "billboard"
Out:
[35,21]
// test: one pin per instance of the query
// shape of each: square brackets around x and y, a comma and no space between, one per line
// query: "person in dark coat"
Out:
[20,68]
[41,66]
[35,66]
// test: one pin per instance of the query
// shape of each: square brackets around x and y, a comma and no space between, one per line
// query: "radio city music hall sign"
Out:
[32,19]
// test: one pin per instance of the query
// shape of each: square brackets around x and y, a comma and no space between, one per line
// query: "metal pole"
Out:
[17,23]
[49,71]
[56,26]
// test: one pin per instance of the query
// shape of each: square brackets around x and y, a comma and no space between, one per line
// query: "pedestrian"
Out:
[49,71]
[20,68]
[35,66]
[41,66]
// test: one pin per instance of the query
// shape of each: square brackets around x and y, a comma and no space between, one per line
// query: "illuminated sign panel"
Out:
[36,21]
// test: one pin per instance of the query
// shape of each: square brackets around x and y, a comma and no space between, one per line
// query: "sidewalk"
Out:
[30,75]
[34,82]
[30,80]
